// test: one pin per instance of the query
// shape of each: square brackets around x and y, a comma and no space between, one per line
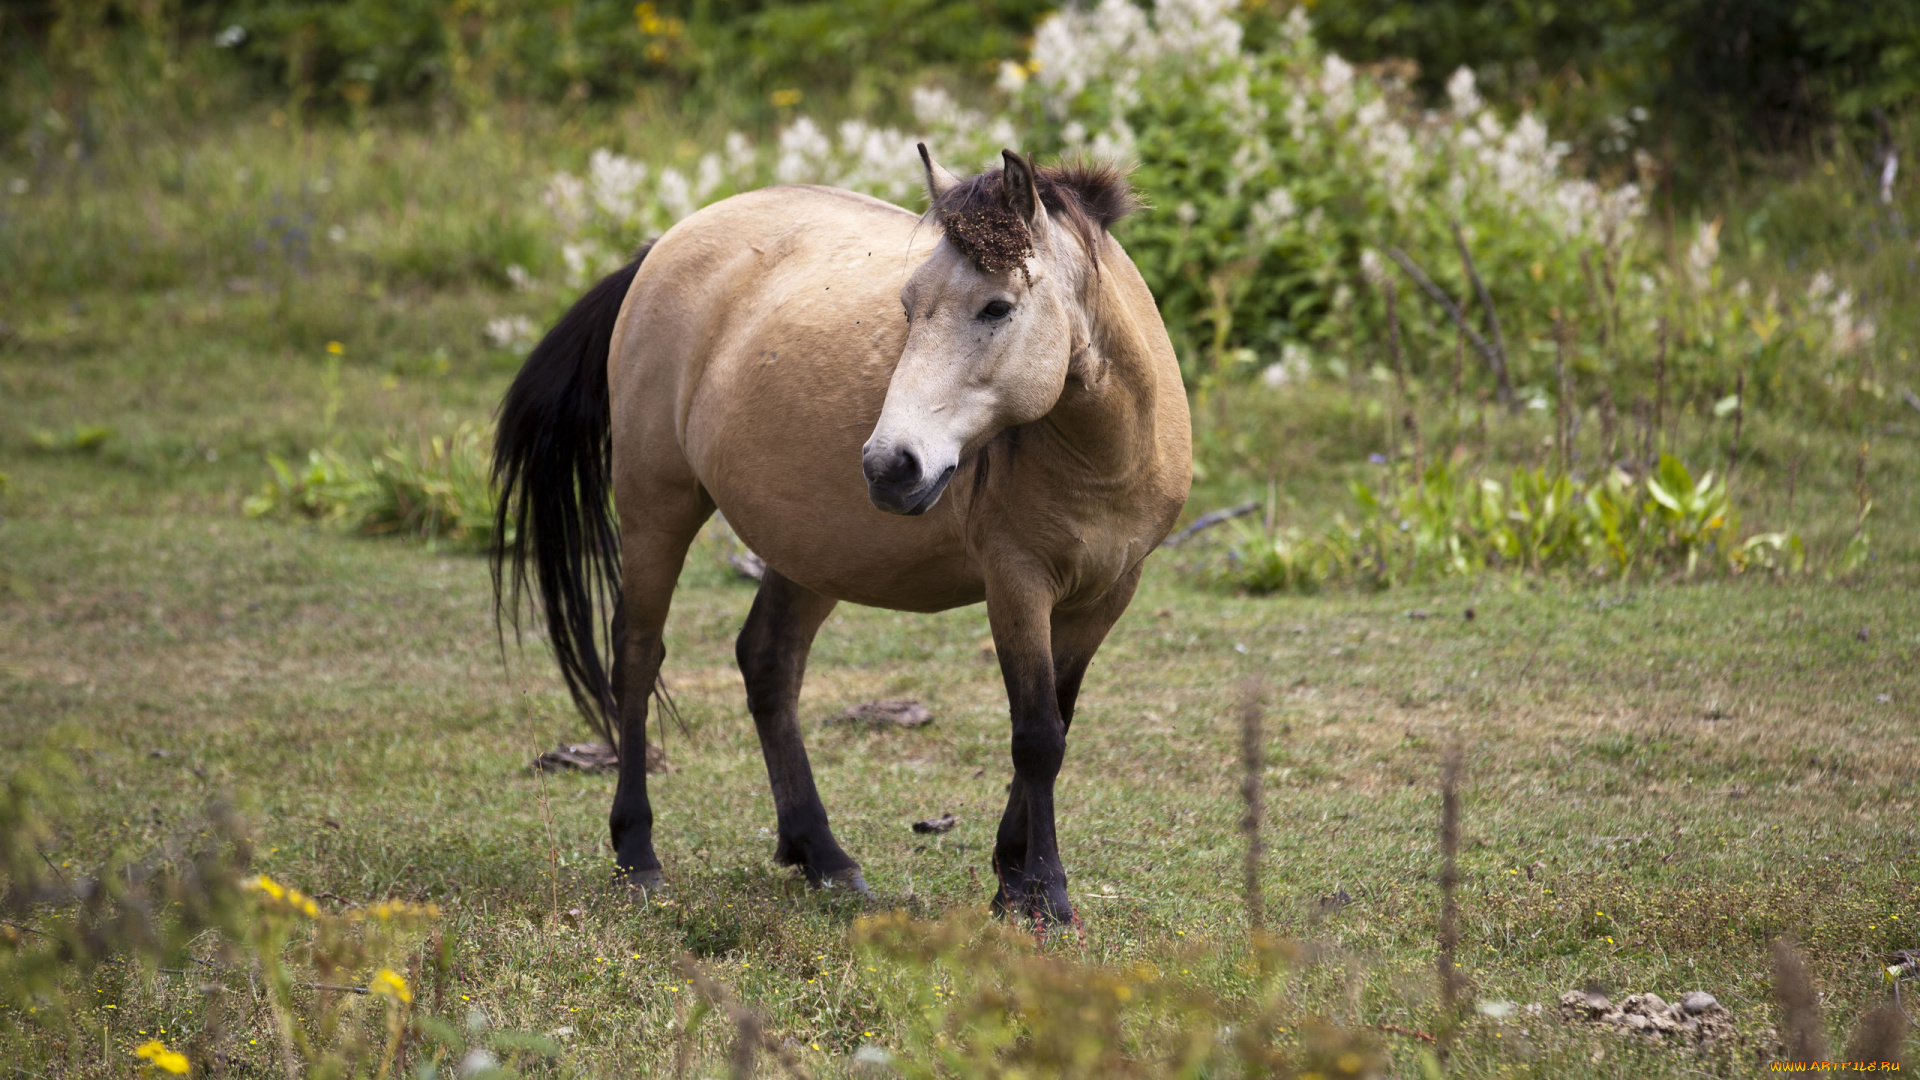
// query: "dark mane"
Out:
[1083,196]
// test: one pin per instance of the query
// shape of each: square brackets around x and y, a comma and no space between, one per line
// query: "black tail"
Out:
[553,466]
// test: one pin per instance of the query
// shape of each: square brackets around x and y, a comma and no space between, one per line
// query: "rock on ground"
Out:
[1697,1019]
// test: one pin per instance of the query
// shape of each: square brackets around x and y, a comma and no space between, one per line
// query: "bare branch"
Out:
[1493,317]
[1439,296]
[1254,762]
[752,1036]
[1209,519]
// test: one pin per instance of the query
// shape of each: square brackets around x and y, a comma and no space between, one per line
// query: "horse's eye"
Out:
[996,310]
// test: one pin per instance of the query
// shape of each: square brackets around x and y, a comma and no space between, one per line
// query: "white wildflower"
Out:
[1372,270]
[1115,143]
[708,177]
[615,183]
[1462,94]
[1847,332]
[1298,29]
[804,150]
[1295,364]
[1013,78]
[566,199]
[1336,85]
[1270,216]
[741,157]
[1703,253]
[515,332]
[674,193]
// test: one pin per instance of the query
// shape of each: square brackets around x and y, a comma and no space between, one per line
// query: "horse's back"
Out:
[756,345]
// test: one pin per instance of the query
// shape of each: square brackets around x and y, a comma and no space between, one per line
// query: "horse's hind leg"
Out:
[653,546]
[772,651]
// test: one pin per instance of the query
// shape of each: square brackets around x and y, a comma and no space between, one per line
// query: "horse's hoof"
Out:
[1047,914]
[847,879]
[647,883]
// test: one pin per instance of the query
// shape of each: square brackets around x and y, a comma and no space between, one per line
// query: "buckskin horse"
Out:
[1004,385]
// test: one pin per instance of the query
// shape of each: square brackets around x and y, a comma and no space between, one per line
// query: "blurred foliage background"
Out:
[1757,76]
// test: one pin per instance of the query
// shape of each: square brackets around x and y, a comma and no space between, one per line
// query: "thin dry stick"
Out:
[1495,361]
[1253,761]
[751,1033]
[1493,317]
[1643,416]
[1880,1035]
[1793,481]
[1660,392]
[1561,406]
[1800,1031]
[1609,426]
[1459,373]
[1450,988]
[1613,294]
[1739,412]
[1407,419]
[1411,1033]
[1600,304]
[683,1038]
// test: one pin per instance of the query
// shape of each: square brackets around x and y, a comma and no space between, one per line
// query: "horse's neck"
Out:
[1106,411]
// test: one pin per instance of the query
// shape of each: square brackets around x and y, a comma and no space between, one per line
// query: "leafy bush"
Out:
[339,985]
[1445,521]
[352,54]
[1289,194]
[1765,72]
[436,489]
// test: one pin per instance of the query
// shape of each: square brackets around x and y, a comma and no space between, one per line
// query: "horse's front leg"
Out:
[1044,653]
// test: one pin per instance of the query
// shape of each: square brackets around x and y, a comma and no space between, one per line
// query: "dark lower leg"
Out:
[1026,856]
[651,553]
[1044,655]
[772,651]
[1010,852]
[636,665]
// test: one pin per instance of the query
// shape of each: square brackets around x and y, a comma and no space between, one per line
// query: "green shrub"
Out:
[436,489]
[1750,74]
[336,993]
[1445,521]
[1289,192]
[347,55]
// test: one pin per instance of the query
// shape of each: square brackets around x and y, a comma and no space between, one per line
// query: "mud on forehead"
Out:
[993,238]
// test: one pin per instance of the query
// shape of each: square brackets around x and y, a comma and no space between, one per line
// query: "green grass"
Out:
[1709,764]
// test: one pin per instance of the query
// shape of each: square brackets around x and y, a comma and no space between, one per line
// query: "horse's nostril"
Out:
[900,469]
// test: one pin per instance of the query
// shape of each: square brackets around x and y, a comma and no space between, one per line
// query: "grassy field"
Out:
[1659,777]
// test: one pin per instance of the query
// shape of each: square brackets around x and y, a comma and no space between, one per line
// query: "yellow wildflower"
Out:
[784,98]
[265,884]
[389,983]
[162,1058]
[335,348]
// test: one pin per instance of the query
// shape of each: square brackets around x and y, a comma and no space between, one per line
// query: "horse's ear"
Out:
[939,180]
[1023,197]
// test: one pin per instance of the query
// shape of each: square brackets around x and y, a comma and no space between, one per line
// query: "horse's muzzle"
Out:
[897,484]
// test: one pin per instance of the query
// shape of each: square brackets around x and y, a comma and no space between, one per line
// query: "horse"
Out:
[915,419]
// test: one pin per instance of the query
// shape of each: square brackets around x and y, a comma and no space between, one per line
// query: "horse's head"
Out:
[997,318]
